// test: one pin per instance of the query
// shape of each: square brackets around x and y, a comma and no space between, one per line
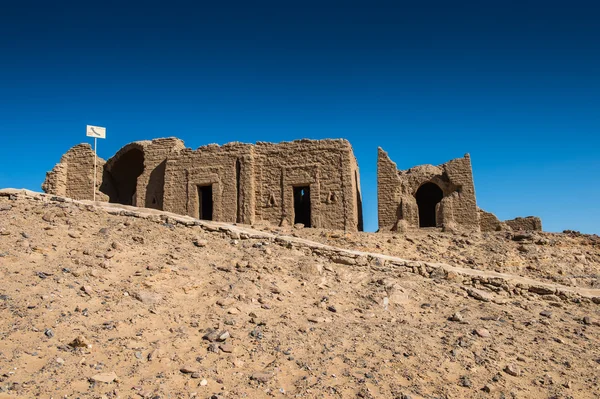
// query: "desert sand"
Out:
[102,301]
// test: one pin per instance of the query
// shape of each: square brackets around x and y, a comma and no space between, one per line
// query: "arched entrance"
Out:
[428,196]
[124,172]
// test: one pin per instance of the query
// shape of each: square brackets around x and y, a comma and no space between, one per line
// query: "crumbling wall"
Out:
[391,207]
[327,167]
[398,191]
[248,183]
[152,180]
[488,221]
[73,176]
[529,223]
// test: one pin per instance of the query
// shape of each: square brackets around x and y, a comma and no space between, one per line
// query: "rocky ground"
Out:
[94,305]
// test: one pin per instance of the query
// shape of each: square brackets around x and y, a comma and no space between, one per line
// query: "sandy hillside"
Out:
[96,305]
[568,258]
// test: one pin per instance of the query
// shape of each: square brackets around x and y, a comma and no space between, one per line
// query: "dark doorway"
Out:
[428,196]
[205,202]
[124,173]
[302,205]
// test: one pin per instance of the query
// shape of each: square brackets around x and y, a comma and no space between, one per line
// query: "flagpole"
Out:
[95,162]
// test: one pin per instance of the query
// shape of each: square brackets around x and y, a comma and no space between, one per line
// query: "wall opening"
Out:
[124,173]
[238,169]
[205,202]
[302,205]
[359,226]
[428,196]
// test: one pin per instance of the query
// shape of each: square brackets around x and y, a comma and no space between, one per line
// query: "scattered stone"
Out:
[542,290]
[49,333]
[104,377]
[512,370]
[587,321]
[211,335]
[480,295]
[80,342]
[456,317]
[60,360]
[87,290]
[203,383]
[52,214]
[214,348]
[482,332]
[262,377]
[188,370]
[223,335]
[546,313]
[227,348]
[148,298]
[74,234]
[465,381]
[199,242]
[225,302]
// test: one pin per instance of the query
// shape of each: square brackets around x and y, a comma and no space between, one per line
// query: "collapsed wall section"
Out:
[529,223]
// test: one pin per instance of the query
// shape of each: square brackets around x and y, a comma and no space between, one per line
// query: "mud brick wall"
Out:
[227,168]
[397,193]
[529,223]
[150,184]
[389,200]
[328,167]
[488,221]
[73,176]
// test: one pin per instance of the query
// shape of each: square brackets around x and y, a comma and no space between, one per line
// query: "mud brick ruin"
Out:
[314,183]
[435,196]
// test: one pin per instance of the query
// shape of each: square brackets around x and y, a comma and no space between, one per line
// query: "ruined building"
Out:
[310,182]
[314,183]
[435,196]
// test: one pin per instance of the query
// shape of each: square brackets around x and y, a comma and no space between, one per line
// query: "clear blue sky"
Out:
[514,83]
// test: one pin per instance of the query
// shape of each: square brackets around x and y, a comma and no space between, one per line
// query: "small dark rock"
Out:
[465,381]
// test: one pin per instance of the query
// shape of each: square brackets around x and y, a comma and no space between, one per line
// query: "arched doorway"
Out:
[124,172]
[428,196]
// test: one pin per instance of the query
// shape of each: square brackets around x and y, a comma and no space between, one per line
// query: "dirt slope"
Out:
[86,294]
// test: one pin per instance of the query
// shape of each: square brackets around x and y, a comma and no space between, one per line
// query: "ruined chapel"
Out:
[312,183]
